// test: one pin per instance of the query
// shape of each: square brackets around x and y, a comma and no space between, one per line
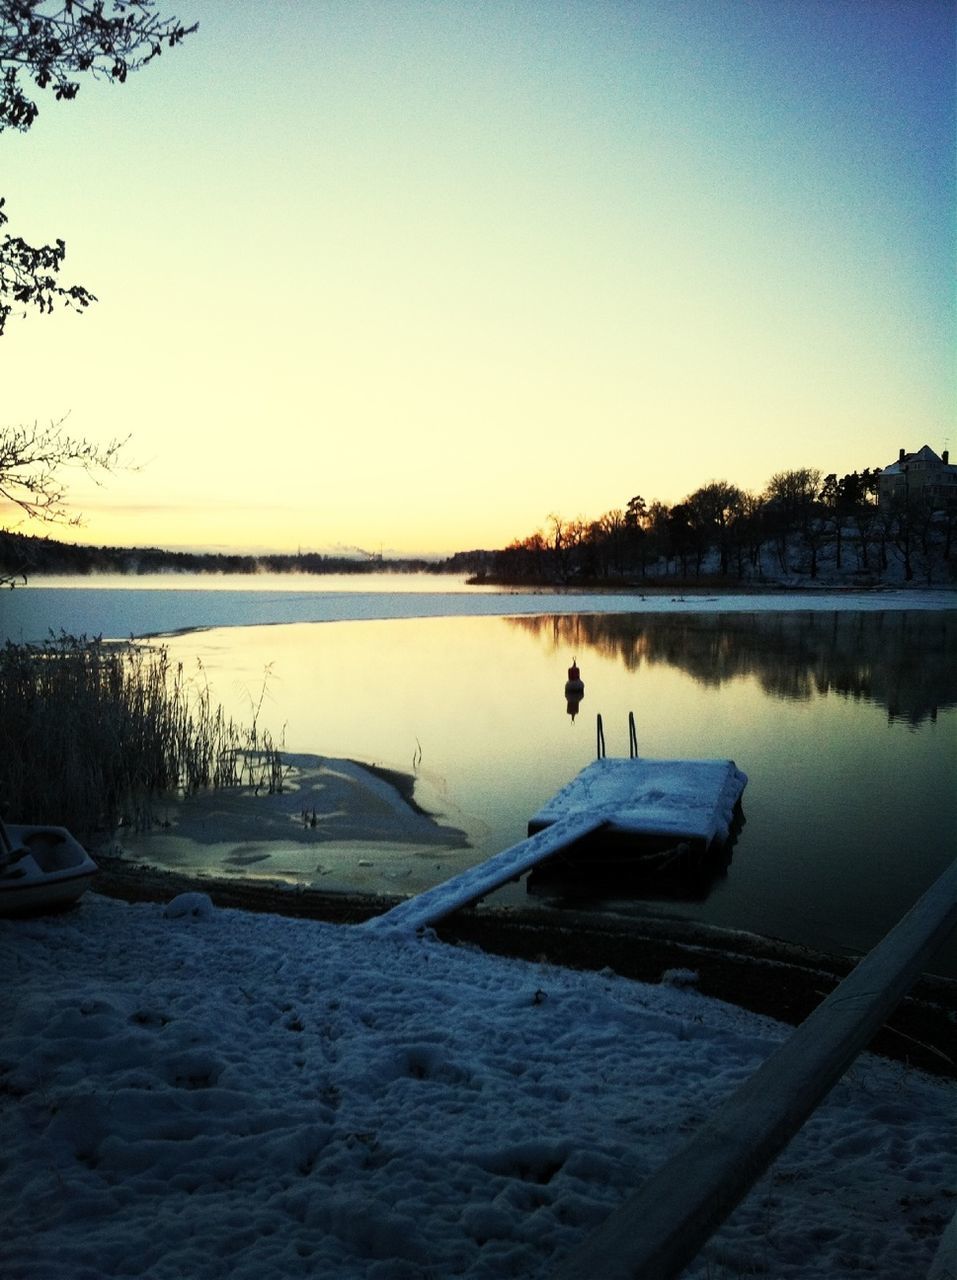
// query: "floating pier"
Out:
[646,806]
[653,806]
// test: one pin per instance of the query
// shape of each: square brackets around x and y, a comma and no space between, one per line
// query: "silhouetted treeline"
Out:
[22,555]
[803,524]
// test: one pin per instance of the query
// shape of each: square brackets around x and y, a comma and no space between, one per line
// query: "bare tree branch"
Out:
[31,460]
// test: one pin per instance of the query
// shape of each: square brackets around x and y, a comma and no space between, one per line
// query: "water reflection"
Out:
[902,661]
[682,876]
[564,886]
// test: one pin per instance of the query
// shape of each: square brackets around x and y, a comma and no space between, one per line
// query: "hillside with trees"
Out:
[804,527]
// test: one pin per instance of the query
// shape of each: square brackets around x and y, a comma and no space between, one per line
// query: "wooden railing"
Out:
[658,1230]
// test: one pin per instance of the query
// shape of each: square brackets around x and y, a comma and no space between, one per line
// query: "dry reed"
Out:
[92,734]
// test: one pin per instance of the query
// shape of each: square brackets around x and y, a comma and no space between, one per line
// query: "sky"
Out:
[412,276]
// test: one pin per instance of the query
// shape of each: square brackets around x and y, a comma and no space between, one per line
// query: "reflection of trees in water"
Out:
[903,661]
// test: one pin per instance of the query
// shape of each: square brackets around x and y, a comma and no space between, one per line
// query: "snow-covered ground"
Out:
[190,1092]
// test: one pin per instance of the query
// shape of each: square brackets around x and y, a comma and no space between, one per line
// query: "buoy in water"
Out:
[574,682]
[574,689]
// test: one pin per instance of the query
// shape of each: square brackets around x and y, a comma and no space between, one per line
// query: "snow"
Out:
[190,1091]
[688,799]
[322,799]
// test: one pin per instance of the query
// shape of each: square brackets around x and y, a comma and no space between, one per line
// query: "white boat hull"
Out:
[45,869]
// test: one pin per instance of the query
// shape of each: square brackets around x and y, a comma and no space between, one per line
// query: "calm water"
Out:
[846,724]
[844,721]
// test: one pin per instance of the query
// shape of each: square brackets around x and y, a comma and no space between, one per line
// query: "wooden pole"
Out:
[661,1227]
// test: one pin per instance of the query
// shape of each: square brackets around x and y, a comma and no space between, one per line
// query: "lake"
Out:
[843,718]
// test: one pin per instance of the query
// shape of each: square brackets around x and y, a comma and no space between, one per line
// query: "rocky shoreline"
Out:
[778,980]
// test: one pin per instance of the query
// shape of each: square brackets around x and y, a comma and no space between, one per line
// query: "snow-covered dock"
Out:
[651,805]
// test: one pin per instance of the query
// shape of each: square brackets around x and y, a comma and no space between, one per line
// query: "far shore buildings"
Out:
[922,474]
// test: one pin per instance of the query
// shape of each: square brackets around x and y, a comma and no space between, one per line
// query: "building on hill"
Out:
[921,474]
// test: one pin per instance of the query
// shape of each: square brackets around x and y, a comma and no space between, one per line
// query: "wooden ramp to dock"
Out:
[433,904]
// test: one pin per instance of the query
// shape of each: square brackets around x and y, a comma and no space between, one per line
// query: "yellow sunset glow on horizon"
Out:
[412,277]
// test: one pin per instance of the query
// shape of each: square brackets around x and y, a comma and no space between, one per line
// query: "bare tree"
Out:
[31,460]
[791,504]
[613,531]
[561,545]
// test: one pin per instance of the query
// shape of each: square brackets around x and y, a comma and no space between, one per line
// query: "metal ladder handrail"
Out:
[632,737]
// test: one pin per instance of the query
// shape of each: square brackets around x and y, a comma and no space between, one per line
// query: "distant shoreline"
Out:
[25,558]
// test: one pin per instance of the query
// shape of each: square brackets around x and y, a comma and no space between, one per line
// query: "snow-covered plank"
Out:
[686,799]
[433,904]
[658,1230]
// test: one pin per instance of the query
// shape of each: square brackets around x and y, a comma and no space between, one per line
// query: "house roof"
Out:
[925,454]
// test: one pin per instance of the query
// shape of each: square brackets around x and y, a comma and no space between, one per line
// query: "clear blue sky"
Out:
[415,275]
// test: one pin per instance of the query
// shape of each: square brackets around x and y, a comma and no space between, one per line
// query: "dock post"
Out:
[601,738]
[632,737]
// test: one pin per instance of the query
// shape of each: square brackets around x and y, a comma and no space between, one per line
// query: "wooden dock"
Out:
[639,801]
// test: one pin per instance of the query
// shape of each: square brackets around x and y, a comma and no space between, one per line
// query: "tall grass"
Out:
[93,734]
